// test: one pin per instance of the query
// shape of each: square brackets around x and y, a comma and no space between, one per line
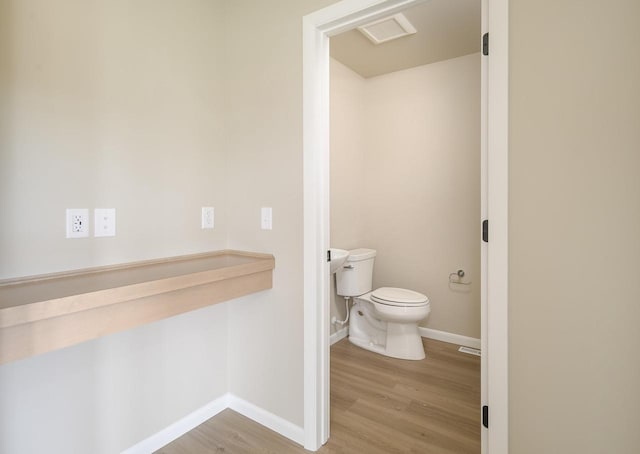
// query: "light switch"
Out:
[266,219]
[104,222]
[207,217]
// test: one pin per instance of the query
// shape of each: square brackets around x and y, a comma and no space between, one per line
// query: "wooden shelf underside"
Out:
[44,313]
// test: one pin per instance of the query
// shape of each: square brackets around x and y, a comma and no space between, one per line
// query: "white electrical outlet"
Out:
[77,222]
[104,222]
[207,217]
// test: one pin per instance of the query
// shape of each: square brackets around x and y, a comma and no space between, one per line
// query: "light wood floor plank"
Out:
[379,405]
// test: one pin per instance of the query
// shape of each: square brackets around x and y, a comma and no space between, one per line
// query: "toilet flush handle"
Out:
[349,267]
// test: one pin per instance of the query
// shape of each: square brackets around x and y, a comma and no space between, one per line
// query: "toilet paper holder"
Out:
[456,276]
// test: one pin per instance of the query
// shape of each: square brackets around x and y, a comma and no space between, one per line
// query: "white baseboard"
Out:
[267,419]
[180,427]
[257,414]
[449,337]
[424,332]
[339,335]
[192,420]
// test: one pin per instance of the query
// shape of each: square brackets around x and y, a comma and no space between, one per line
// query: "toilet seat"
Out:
[392,296]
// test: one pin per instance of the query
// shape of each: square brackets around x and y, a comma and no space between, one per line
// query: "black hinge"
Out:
[328,255]
[485,44]
[485,416]
[485,230]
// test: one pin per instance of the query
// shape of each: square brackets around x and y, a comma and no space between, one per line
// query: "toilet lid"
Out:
[398,297]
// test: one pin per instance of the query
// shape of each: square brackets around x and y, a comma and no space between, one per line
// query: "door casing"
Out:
[318,27]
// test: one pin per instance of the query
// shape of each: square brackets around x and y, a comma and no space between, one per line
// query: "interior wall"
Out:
[423,172]
[348,154]
[574,218]
[264,128]
[106,395]
[110,104]
[418,174]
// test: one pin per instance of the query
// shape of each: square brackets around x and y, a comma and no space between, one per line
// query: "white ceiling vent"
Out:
[389,28]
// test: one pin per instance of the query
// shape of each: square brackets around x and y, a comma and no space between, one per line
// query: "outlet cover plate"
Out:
[77,222]
[104,222]
[266,218]
[207,217]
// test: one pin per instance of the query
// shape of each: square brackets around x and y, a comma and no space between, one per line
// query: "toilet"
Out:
[384,320]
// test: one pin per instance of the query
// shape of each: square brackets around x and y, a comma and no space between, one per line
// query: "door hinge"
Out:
[485,416]
[485,44]
[485,230]
[328,255]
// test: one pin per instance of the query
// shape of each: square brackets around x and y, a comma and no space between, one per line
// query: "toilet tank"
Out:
[356,276]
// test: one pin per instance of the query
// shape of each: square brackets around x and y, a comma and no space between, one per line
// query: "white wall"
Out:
[110,104]
[413,182]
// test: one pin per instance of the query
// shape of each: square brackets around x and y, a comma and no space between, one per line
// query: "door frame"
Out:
[318,27]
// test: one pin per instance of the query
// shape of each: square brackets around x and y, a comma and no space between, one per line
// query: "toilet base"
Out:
[404,341]
[396,340]
[414,355]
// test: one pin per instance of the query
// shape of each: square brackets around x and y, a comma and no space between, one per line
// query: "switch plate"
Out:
[207,217]
[266,219]
[104,222]
[77,222]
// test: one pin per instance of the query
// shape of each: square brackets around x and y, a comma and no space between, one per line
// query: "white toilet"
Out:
[385,320]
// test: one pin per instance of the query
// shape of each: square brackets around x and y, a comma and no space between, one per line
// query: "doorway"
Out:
[317,28]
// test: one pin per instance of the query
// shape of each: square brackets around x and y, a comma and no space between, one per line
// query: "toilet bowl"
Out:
[384,320]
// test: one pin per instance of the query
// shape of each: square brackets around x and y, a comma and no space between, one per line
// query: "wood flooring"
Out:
[379,405]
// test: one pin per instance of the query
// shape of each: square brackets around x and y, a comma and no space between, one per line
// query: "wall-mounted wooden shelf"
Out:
[43,313]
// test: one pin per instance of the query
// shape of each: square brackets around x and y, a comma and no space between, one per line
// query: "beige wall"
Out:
[106,395]
[347,159]
[110,104]
[574,229]
[574,219]
[413,183]
[264,85]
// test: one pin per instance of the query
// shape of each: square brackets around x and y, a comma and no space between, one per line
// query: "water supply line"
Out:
[334,320]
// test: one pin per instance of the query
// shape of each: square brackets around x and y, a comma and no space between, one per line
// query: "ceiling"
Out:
[445,29]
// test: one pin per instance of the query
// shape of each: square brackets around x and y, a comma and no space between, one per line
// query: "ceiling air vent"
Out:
[389,28]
